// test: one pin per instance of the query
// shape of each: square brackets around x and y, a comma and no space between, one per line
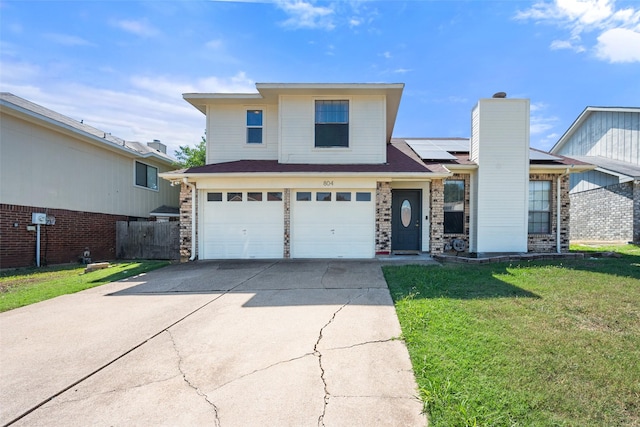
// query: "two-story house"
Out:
[605,202]
[312,171]
[79,179]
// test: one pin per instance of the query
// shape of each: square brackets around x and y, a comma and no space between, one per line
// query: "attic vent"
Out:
[500,95]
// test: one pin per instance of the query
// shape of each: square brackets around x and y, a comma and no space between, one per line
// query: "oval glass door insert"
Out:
[405,213]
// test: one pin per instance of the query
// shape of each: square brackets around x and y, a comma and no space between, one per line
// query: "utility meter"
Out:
[39,218]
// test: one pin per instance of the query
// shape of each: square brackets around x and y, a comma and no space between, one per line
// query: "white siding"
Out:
[475,117]
[227,134]
[610,134]
[503,175]
[43,168]
[367,130]
[591,180]
[473,212]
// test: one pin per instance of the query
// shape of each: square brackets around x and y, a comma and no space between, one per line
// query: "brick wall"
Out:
[287,222]
[536,243]
[61,243]
[606,213]
[383,218]
[439,239]
[188,243]
[545,243]
[437,242]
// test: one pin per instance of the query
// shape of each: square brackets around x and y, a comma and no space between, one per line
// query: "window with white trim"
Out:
[332,123]
[254,126]
[454,206]
[146,176]
[539,207]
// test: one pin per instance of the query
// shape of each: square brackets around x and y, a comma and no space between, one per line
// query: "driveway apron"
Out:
[221,343]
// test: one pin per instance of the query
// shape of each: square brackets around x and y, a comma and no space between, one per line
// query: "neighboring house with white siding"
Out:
[83,178]
[311,171]
[605,202]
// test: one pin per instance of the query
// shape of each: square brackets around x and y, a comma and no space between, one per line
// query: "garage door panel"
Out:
[332,229]
[243,229]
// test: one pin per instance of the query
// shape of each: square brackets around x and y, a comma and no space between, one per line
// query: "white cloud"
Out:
[17,71]
[566,44]
[402,70]
[387,54]
[67,40]
[619,45]
[541,126]
[303,14]
[140,28]
[214,44]
[148,108]
[618,30]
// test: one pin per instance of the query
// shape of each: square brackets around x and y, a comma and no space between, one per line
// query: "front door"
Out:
[405,220]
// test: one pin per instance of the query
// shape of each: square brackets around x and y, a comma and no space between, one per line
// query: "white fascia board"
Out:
[201,100]
[70,130]
[333,87]
[560,168]
[461,168]
[391,176]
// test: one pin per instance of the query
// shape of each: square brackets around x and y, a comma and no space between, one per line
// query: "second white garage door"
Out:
[332,224]
[242,224]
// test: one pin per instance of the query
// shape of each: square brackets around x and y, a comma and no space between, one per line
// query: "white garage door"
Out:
[242,224]
[332,224]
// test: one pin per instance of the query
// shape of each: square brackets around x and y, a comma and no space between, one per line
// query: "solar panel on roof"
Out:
[429,151]
[454,145]
[538,155]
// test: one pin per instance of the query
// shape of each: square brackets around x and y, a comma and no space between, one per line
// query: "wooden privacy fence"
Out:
[147,240]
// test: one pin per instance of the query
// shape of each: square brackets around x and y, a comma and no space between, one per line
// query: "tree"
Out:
[189,157]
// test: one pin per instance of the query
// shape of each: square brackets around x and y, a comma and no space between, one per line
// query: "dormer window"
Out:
[332,123]
[254,126]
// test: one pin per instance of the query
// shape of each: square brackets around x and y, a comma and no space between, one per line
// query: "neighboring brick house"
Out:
[312,171]
[82,178]
[605,202]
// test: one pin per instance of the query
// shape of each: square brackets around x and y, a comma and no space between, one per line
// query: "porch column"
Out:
[383,218]
[437,216]
[188,243]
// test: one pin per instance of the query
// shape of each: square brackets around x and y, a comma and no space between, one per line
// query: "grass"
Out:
[527,344]
[27,286]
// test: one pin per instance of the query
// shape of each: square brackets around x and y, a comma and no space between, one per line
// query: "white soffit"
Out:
[538,155]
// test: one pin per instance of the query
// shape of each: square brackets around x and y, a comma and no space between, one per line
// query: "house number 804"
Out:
[327,183]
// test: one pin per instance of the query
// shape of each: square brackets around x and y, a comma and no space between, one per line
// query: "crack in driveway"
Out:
[318,354]
[133,348]
[190,384]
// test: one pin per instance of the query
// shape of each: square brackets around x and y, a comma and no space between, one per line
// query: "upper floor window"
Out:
[454,206]
[146,176]
[332,123]
[254,127]
[539,207]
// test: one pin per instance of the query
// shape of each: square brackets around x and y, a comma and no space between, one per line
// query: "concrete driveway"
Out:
[233,343]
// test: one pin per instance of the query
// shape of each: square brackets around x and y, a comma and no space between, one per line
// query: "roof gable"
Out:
[582,118]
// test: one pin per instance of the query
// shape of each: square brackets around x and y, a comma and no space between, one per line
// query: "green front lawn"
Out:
[30,285]
[525,344]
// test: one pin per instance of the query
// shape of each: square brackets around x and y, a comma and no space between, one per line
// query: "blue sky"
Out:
[122,66]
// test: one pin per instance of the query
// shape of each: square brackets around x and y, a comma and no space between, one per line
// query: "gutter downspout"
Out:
[558,216]
[193,218]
